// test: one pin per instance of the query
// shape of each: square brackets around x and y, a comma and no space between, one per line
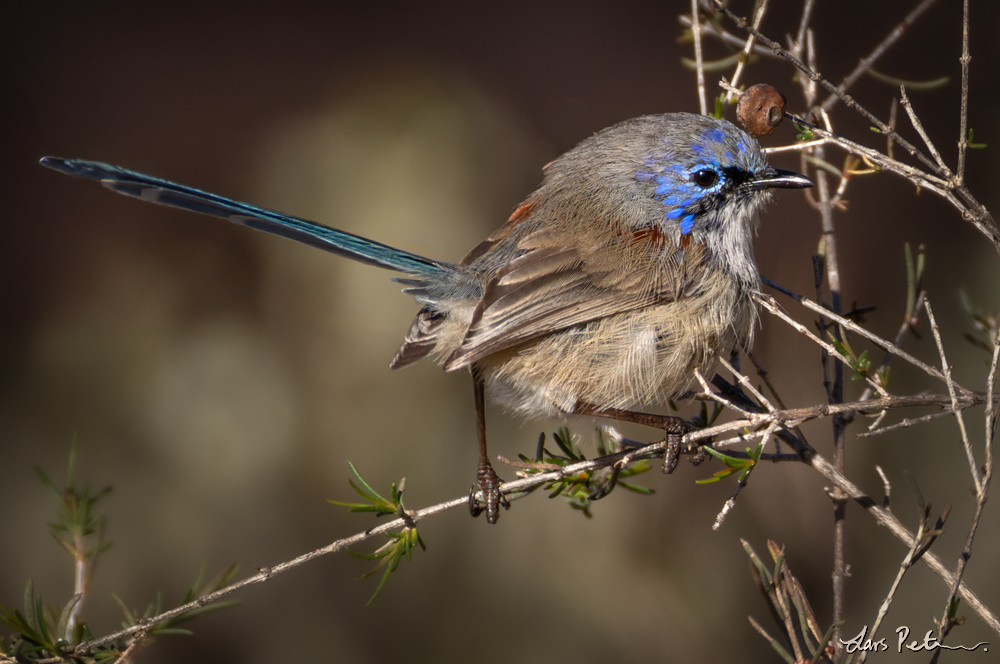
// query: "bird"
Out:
[628,268]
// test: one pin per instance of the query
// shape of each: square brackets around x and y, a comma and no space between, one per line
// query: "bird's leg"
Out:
[487,481]
[673,427]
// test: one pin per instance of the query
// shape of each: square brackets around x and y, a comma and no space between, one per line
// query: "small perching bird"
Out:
[628,268]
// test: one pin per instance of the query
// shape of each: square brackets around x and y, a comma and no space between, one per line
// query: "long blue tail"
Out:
[164,192]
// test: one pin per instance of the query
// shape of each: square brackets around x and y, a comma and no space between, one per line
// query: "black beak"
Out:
[775,178]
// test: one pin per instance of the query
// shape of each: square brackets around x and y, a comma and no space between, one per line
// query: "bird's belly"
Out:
[628,360]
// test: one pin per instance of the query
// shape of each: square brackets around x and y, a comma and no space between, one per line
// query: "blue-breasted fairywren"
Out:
[627,269]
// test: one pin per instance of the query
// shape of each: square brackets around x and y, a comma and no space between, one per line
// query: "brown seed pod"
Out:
[761,109]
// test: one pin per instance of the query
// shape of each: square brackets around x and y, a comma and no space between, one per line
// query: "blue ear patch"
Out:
[687,223]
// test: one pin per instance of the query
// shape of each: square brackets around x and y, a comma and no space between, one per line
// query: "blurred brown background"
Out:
[221,379]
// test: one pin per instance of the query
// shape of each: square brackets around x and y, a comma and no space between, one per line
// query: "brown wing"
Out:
[555,286]
[420,339]
[424,334]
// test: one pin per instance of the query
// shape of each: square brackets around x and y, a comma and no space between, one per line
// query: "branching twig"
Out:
[907,324]
[800,37]
[718,398]
[945,624]
[919,126]
[726,37]
[769,304]
[699,63]
[921,541]
[740,484]
[888,520]
[867,63]
[952,188]
[905,423]
[966,443]
[786,417]
[883,517]
[963,122]
[819,78]
[943,181]
[741,63]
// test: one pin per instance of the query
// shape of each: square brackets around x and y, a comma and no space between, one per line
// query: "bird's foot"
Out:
[488,483]
[675,428]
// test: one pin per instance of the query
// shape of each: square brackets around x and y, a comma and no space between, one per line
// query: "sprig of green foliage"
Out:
[583,488]
[400,544]
[43,631]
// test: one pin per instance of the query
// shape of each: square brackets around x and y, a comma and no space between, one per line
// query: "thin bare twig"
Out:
[741,63]
[867,63]
[907,324]
[747,385]
[793,417]
[963,122]
[934,183]
[786,416]
[800,37]
[903,424]
[264,575]
[699,63]
[919,126]
[966,443]
[886,487]
[805,145]
[771,305]
[726,37]
[940,179]
[853,327]
[763,374]
[809,87]
[991,414]
[835,395]
[951,188]
[742,482]
[888,520]
[945,625]
[819,78]
[893,109]
[907,563]
[718,398]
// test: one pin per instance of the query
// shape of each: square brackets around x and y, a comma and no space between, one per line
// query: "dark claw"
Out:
[675,429]
[489,485]
[672,454]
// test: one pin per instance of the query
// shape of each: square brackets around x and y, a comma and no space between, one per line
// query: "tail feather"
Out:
[165,192]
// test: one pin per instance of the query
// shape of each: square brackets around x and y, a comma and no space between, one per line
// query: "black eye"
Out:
[705,178]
